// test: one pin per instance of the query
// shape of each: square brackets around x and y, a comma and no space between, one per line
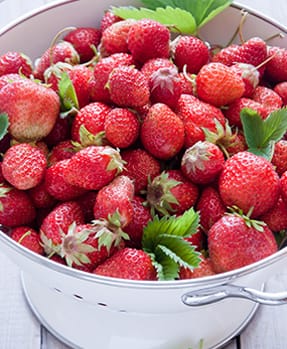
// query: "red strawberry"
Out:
[253,51]
[24,166]
[121,127]
[63,51]
[197,239]
[128,263]
[89,123]
[268,98]
[202,163]
[108,19]
[249,182]
[210,206]
[56,224]
[279,158]
[93,167]
[165,87]
[148,39]
[115,198]
[281,90]
[205,268]
[56,185]
[218,84]
[233,243]
[190,51]
[102,70]
[27,237]
[276,68]
[162,132]
[59,133]
[232,112]
[139,166]
[16,207]
[276,217]
[141,216]
[31,107]
[114,38]
[15,62]
[153,64]
[250,76]
[40,197]
[128,87]
[171,193]
[283,183]
[63,150]
[84,40]
[9,78]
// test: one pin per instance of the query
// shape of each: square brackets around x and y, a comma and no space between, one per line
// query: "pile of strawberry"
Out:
[131,154]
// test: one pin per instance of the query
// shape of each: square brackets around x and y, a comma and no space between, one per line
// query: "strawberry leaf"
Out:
[202,11]
[4,123]
[260,134]
[164,240]
[176,19]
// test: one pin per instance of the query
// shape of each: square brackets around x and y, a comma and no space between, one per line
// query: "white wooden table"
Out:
[19,329]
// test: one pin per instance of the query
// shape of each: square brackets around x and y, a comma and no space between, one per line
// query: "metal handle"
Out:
[215,294]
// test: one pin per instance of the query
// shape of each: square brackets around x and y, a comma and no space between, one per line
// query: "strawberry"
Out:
[128,87]
[202,163]
[229,242]
[232,112]
[62,51]
[128,263]
[59,133]
[153,64]
[141,216]
[121,127]
[98,86]
[268,98]
[162,132]
[40,196]
[114,38]
[283,183]
[89,124]
[197,240]
[55,183]
[93,167]
[171,193]
[63,150]
[16,207]
[187,84]
[165,87]
[205,268]
[281,90]
[250,76]
[148,39]
[276,217]
[27,237]
[56,224]
[191,52]
[87,202]
[9,78]
[15,62]
[84,40]
[116,197]
[31,107]
[218,84]
[108,19]
[24,166]
[253,51]
[279,158]
[210,207]
[139,166]
[249,182]
[276,68]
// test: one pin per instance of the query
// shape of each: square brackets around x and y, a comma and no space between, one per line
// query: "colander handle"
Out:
[217,293]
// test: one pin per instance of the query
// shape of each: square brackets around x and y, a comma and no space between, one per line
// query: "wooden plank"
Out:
[19,328]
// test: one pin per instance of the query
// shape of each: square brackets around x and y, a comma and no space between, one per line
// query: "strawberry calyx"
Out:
[196,156]
[109,232]
[164,241]
[159,196]
[116,162]
[250,223]
[163,78]
[87,138]
[3,191]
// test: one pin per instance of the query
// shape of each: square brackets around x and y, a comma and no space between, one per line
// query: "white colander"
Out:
[88,311]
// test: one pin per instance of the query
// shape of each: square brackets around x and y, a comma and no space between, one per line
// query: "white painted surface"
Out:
[20,329]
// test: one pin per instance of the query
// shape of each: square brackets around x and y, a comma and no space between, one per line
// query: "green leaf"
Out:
[178,20]
[260,134]
[4,124]
[67,93]
[168,269]
[202,11]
